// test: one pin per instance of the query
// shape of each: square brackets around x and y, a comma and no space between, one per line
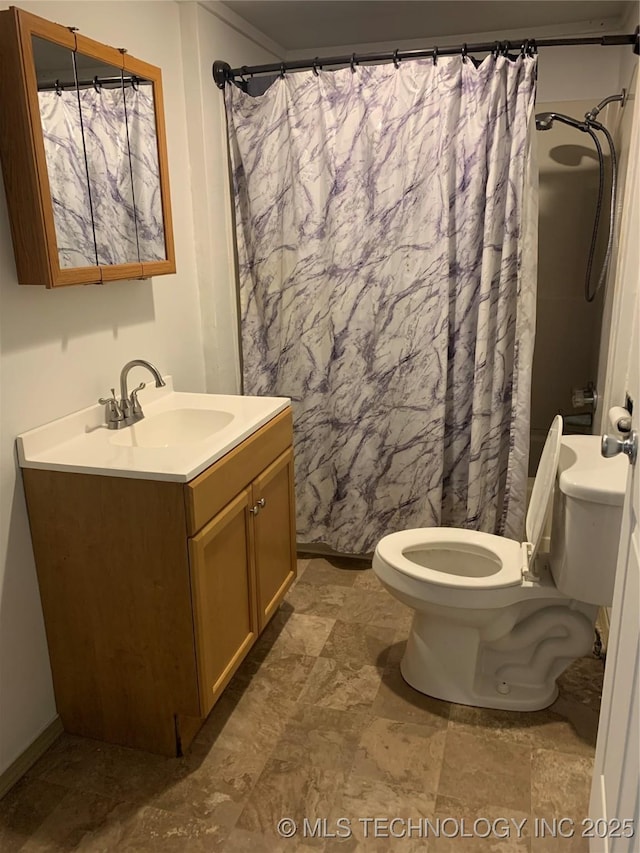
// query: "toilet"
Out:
[496,621]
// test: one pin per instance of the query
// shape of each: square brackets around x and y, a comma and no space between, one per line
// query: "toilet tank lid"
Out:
[584,473]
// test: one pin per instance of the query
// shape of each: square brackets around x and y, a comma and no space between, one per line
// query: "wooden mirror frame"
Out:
[22,150]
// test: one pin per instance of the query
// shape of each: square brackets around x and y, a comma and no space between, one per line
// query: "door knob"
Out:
[611,446]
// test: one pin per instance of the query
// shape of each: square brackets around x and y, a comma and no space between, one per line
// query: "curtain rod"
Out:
[96,82]
[223,73]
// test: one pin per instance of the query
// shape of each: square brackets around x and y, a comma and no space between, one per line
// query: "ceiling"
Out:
[296,24]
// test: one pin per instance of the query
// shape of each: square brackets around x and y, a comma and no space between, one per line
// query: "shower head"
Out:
[544,121]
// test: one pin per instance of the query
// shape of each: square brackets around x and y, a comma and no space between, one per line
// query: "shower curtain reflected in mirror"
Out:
[107,204]
[386,233]
[67,171]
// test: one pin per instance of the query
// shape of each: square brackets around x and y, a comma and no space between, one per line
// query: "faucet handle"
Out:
[113,412]
[105,401]
[136,408]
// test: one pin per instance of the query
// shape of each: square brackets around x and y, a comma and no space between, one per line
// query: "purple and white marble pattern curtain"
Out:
[386,233]
[67,171]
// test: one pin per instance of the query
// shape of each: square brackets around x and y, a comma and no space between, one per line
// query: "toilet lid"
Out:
[543,486]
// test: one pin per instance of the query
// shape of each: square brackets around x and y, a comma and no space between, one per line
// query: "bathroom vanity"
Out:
[162,551]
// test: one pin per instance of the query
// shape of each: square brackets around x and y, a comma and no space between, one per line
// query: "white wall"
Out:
[205,38]
[60,350]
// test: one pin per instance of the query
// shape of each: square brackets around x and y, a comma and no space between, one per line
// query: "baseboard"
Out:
[29,757]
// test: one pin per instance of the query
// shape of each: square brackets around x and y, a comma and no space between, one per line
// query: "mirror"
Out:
[108,166]
[145,168]
[85,164]
[63,146]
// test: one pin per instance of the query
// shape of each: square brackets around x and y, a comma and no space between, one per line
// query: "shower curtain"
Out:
[386,235]
[107,208]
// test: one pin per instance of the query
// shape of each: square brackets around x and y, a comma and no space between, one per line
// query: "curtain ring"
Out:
[316,65]
[533,48]
[435,55]
[96,84]
[506,47]
[58,88]
[352,63]
[525,48]
[495,51]
[282,69]
[463,52]
[396,58]
[135,83]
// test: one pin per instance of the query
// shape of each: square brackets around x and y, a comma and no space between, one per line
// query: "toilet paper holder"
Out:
[586,397]
[620,419]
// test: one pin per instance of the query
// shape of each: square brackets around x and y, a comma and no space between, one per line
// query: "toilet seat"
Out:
[440,555]
[452,558]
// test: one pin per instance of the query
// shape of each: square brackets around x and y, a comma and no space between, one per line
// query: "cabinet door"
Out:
[223,593]
[275,534]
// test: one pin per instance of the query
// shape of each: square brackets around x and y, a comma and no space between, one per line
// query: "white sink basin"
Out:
[180,435]
[174,427]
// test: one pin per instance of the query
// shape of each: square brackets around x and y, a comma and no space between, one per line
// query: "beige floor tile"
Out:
[288,789]
[560,784]
[547,729]
[397,649]
[395,838]
[582,682]
[340,686]
[368,579]
[110,771]
[301,634]
[372,607]
[248,724]
[242,841]
[24,808]
[401,752]
[480,771]
[318,723]
[326,737]
[216,789]
[396,700]
[486,829]
[317,600]
[365,798]
[359,645]
[274,676]
[143,829]
[302,566]
[321,573]
[80,814]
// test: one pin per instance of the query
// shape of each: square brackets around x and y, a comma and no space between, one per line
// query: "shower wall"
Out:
[567,327]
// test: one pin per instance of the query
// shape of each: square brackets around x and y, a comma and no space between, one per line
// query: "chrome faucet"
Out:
[127,410]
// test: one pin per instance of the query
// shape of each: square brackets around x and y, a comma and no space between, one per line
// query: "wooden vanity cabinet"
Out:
[153,592]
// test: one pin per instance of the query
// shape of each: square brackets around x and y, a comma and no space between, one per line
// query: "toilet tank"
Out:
[587,517]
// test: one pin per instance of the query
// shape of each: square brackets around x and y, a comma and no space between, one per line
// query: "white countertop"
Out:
[81,442]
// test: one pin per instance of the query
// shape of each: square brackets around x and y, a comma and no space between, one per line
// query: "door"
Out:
[274,534]
[223,596]
[614,791]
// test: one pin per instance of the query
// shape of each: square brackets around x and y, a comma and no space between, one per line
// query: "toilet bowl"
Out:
[495,620]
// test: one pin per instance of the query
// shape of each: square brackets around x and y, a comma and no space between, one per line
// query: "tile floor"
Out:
[318,723]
